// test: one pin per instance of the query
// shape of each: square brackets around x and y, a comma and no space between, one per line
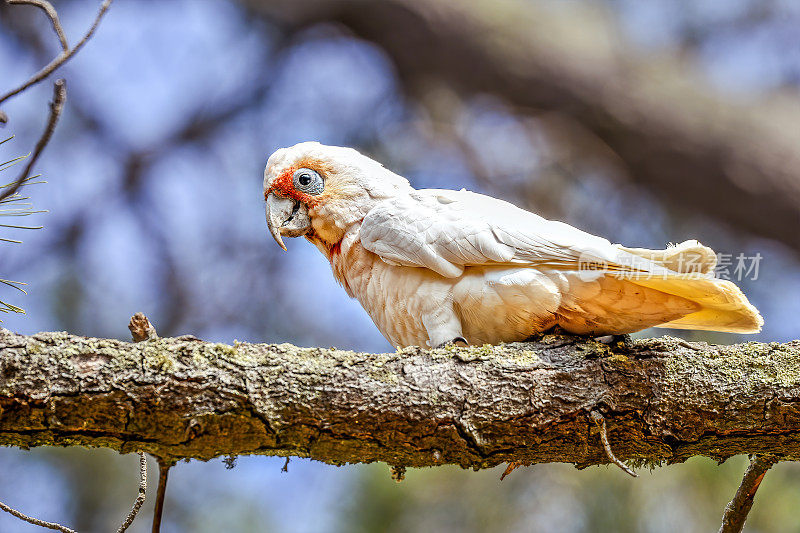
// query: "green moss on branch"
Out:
[664,400]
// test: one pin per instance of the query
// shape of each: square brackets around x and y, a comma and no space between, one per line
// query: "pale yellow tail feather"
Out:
[724,307]
[714,320]
[688,256]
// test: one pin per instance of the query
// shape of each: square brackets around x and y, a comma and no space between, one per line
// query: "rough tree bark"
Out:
[664,400]
[671,134]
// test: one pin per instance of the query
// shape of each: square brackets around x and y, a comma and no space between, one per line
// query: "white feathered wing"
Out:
[448,231]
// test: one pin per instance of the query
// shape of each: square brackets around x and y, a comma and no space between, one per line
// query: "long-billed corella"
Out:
[434,266]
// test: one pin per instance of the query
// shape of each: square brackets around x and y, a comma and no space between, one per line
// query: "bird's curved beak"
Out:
[286,216]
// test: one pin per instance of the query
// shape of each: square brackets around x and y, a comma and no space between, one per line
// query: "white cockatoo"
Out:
[436,266]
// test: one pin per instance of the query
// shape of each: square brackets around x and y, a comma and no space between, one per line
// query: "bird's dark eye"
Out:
[308,181]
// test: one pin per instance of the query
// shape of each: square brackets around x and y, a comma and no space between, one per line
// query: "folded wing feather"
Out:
[447,231]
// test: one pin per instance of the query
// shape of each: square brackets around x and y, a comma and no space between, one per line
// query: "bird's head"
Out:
[320,191]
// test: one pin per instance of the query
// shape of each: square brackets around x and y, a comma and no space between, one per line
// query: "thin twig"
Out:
[513,465]
[35,521]
[50,11]
[738,508]
[601,422]
[56,106]
[163,472]
[137,504]
[62,58]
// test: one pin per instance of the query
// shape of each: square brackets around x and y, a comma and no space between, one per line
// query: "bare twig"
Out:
[513,465]
[56,106]
[63,57]
[35,521]
[601,422]
[50,11]
[137,504]
[738,508]
[163,472]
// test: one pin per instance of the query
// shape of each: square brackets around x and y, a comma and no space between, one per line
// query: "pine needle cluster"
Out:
[16,205]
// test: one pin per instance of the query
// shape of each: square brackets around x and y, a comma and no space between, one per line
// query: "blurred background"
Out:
[644,122]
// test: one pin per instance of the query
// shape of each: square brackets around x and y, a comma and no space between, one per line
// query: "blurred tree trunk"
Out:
[663,400]
[684,142]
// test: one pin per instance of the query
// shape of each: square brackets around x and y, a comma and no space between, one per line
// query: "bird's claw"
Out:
[611,340]
[458,341]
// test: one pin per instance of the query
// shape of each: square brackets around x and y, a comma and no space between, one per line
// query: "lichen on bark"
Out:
[664,400]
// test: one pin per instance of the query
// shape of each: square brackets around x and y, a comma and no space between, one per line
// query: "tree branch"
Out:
[598,419]
[664,400]
[56,107]
[65,54]
[739,507]
[137,503]
[35,521]
[161,494]
[50,11]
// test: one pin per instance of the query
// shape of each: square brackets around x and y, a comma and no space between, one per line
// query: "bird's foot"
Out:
[458,341]
[556,331]
[623,341]
[613,340]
